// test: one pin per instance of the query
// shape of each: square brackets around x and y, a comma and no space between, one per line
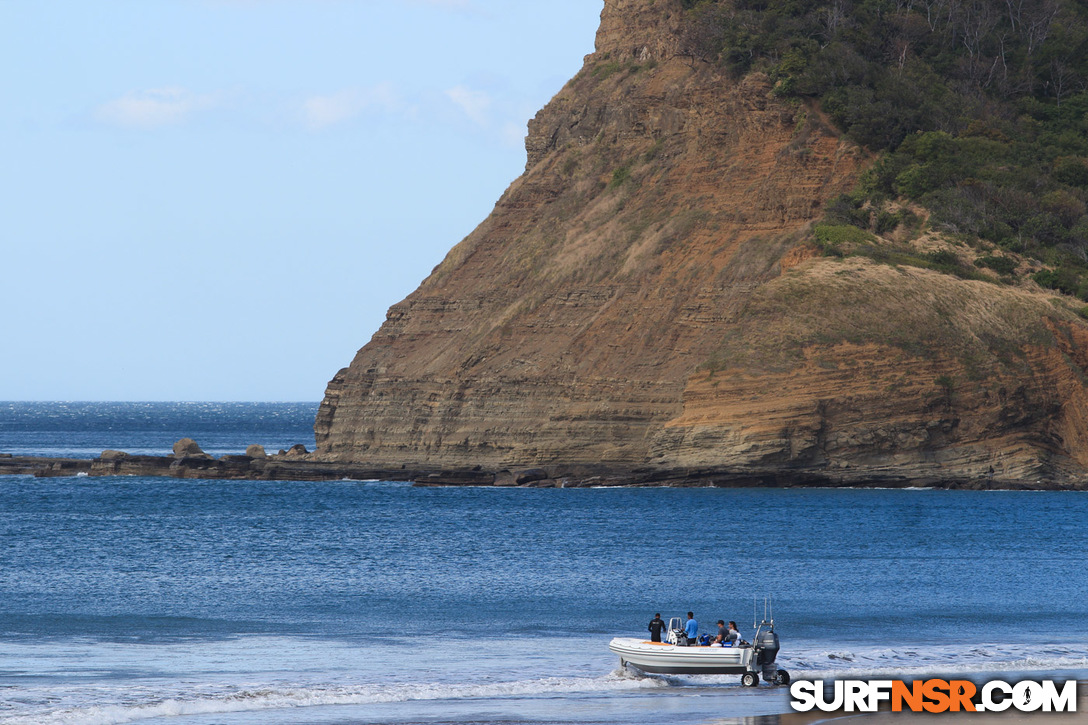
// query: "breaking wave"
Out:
[867,661]
[134,705]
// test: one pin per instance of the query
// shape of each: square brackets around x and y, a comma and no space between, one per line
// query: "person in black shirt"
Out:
[656,625]
[723,633]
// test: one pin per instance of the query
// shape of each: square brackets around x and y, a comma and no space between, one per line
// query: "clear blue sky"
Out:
[219,199]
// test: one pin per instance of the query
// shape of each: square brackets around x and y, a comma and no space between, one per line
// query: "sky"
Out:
[220,199]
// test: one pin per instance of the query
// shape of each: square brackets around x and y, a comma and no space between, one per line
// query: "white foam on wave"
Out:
[868,661]
[889,488]
[130,709]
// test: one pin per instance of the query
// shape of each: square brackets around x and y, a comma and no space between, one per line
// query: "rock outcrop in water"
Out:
[644,303]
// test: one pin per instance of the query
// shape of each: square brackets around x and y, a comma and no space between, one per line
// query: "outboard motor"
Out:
[766,650]
[766,646]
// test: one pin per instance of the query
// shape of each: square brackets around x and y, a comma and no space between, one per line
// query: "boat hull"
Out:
[669,659]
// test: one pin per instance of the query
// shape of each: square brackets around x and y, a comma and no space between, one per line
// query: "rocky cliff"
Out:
[645,301]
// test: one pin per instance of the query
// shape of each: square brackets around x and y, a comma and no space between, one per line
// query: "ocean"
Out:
[84,430]
[186,601]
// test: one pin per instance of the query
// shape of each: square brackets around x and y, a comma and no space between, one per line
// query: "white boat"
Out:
[675,657]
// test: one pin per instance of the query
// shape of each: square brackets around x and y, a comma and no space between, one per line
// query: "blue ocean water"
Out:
[180,601]
[84,430]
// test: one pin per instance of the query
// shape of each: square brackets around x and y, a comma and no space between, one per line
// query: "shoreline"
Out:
[294,466]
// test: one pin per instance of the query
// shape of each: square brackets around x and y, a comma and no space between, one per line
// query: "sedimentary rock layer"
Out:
[643,298]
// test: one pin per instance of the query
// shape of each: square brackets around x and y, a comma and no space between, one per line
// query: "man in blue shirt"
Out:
[691,628]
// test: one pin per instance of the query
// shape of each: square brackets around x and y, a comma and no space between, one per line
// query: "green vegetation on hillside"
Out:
[980,108]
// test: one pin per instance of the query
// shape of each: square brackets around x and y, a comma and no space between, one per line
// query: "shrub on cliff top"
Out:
[838,238]
[981,106]
[1001,265]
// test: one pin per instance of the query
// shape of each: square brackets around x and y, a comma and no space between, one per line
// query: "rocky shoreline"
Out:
[297,464]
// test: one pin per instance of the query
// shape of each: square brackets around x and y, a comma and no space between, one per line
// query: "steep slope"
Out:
[643,298]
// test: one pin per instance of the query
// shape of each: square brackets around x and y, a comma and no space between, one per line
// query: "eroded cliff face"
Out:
[643,298]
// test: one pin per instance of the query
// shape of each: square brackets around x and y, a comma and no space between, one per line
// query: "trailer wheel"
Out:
[782,678]
[749,679]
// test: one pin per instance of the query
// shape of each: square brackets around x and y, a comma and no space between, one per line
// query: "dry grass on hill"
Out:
[825,302]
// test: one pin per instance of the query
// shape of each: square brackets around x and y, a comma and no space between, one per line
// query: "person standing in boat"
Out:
[657,624]
[691,628]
